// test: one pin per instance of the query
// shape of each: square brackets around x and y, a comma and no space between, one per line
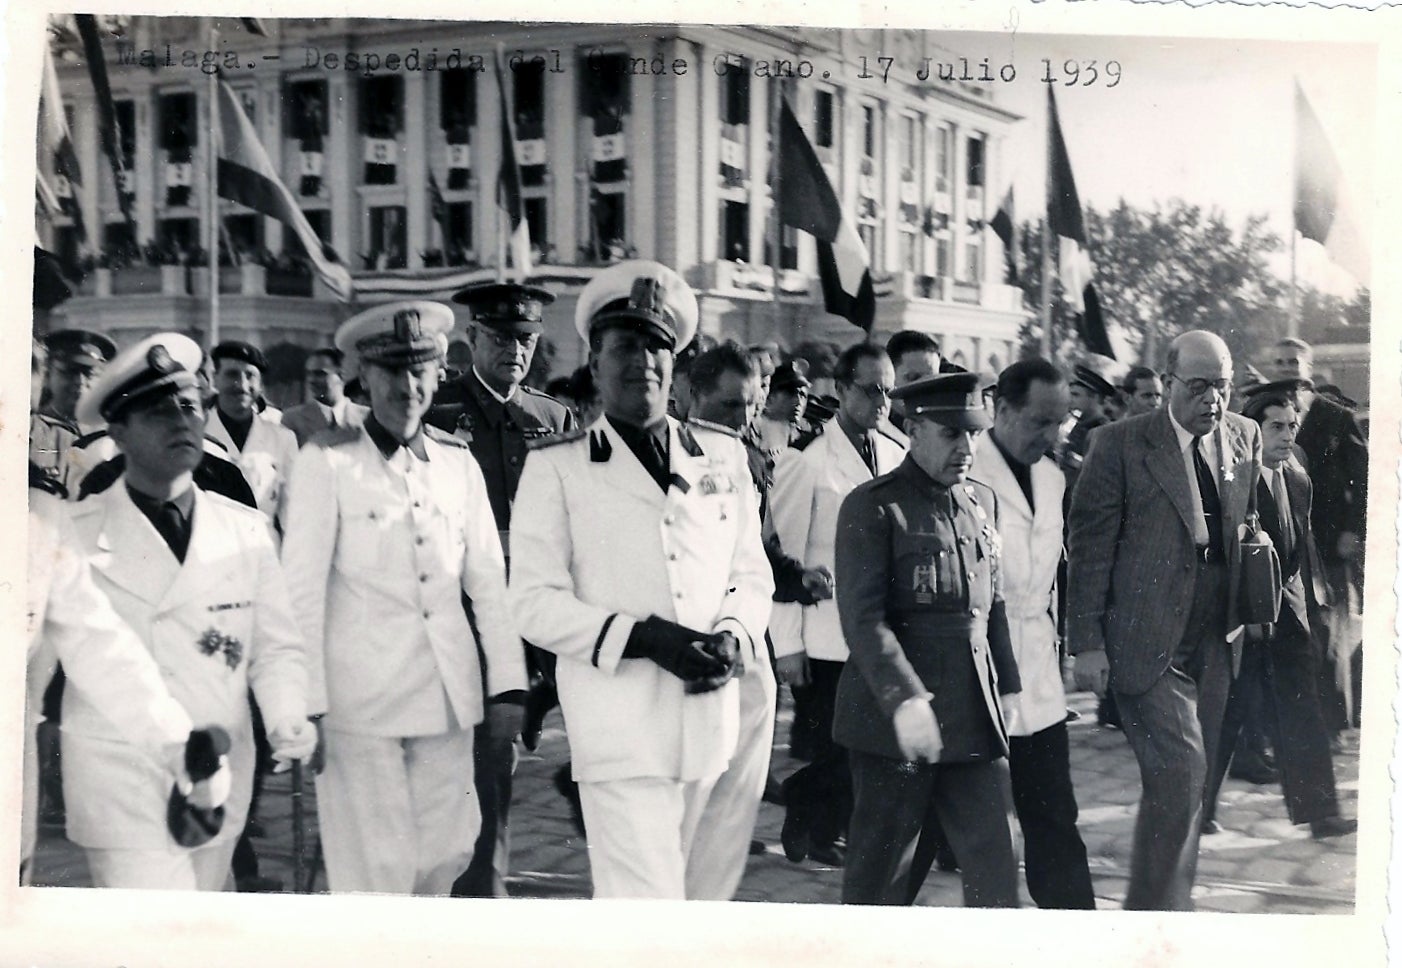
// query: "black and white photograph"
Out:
[489,473]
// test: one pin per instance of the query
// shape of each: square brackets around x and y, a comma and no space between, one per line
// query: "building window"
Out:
[381,120]
[942,254]
[869,133]
[118,237]
[458,249]
[244,234]
[608,226]
[944,161]
[973,256]
[604,99]
[388,238]
[529,106]
[867,231]
[178,234]
[909,252]
[320,221]
[179,135]
[824,119]
[735,93]
[975,162]
[910,143]
[735,231]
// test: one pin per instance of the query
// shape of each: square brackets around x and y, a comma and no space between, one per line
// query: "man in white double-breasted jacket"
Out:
[637,560]
[389,526]
[195,576]
[811,479]
[1031,403]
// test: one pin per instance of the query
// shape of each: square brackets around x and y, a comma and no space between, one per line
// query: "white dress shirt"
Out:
[1212,455]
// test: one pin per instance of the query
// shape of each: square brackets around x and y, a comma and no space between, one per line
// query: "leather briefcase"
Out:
[1260,578]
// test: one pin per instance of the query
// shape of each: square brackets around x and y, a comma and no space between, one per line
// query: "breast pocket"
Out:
[360,541]
[925,571]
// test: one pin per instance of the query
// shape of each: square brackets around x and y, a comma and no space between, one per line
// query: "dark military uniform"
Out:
[919,594]
[498,434]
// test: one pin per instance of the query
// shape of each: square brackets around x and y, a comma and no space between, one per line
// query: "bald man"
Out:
[1155,527]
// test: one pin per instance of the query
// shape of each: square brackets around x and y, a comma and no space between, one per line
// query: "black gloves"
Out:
[703,661]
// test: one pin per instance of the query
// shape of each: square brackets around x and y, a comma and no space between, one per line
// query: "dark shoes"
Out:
[1254,772]
[569,789]
[773,792]
[1211,827]
[829,855]
[945,859]
[1333,827]
[756,848]
[795,836]
[257,884]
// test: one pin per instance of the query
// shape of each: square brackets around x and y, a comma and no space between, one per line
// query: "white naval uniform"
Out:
[721,844]
[215,624]
[70,621]
[378,554]
[596,548]
[810,485]
[265,459]
[1031,552]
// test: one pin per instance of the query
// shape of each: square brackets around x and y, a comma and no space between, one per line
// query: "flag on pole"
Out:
[1004,225]
[1322,211]
[246,175]
[1069,229]
[807,202]
[106,111]
[509,184]
[56,194]
[439,208]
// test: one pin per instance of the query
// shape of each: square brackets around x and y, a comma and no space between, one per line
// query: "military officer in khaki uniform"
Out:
[497,416]
[389,527]
[920,600]
[75,359]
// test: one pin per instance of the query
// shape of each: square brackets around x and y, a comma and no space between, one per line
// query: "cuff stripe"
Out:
[599,642]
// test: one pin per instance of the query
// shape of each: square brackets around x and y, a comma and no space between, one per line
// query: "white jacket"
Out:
[378,554]
[1032,547]
[265,460]
[215,624]
[810,484]
[598,547]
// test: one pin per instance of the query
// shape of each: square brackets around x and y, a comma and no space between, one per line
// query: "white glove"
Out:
[292,739]
[917,731]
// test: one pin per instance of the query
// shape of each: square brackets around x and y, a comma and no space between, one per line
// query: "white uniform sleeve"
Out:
[548,613]
[750,587]
[308,548]
[791,516]
[277,671]
[101,655]
[484,581]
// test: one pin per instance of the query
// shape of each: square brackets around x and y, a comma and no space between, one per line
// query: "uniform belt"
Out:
[943,623]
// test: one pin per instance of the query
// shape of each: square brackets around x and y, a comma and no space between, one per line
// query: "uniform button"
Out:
[515,461]
[427,613]
[672,556]
[679,595]
[416,504]
[973,612]
[419,540]
[942,554]
[1178,611]
[423,578]
[964,539]
[668,519]
[722,515]
[971,576]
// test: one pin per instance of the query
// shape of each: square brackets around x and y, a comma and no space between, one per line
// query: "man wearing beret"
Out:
[195,576]
[637,560]
[75,358]
[919,594]
[497,416]
[389,526]
[262,448]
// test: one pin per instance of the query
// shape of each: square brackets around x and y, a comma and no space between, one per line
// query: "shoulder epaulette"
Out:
[700,424]
[88,438]
[443,437]
[337,436]
[541,443]
[40,481]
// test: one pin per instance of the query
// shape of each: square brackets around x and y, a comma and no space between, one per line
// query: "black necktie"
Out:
[868,456]
[1211,503]
[171,525]
[1282,506]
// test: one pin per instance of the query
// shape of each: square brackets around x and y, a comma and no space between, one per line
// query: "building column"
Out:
[709,220]
[561,110]
[84,135]
[341,159]
[958,189]
[270,120]
[486,162]
[757,165]
[417,213]
[888,117]
[676,196]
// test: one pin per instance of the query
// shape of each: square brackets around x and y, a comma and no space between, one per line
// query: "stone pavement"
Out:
[1260,863]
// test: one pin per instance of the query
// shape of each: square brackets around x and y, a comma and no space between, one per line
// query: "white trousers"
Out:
[721,845]
[641,832]
[397,815]
[172,869]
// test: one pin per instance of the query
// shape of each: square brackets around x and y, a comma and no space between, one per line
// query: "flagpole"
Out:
[1047,239]
[212,195]
[776,99]
[1292,320]
[1292,317]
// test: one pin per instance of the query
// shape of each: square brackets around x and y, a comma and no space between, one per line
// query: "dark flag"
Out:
[807,202]
[106,111]
[1320,212]
[1004,225]
[1068,226]
[1091,325]
[57,143]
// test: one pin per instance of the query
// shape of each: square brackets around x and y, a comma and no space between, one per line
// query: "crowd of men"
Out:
[396,593]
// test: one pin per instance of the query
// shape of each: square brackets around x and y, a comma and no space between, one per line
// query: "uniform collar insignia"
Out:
[599,447]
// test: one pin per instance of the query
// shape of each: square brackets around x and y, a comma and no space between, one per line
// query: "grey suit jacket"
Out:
[308,419]
[1132,563]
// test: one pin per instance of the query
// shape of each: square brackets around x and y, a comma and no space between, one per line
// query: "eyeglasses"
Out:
[504,341]
[1197,386]
[875,392]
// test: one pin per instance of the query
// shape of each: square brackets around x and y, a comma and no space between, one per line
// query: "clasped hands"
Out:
[703,661]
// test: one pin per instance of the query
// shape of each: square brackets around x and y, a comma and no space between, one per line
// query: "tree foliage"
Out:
[1176,267]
